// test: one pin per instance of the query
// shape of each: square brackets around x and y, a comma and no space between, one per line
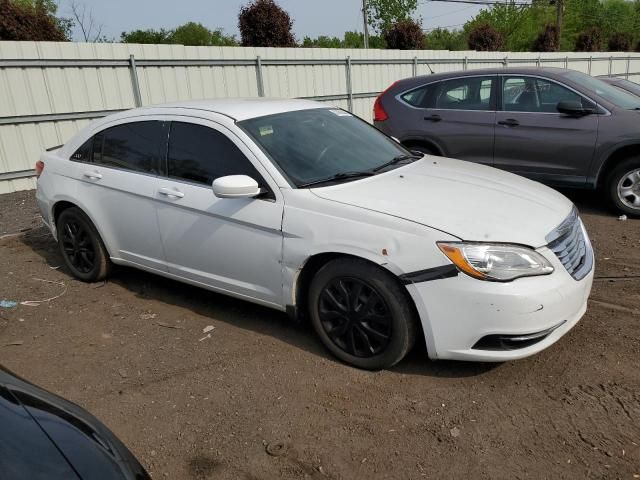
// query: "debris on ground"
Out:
[17,343]
[622,218]
[455,432]
[122,373]
[8,304]
[36,303]
[166,325]
[148,316]
[208,335]
[208,328]
[277,449]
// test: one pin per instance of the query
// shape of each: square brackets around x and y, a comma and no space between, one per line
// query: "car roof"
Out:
[551,72]
[241,108]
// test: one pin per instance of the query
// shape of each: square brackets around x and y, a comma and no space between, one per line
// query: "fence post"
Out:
[538,61]
[259,78]
[566,62]
[415,66]
[349,85]
[134,81]
[626,75]
[610,65]
[590,63]
[506,61]
[465,63]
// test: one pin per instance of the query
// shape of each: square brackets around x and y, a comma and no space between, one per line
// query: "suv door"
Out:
[118,172]
[456,114]
[535,140]
[232,245]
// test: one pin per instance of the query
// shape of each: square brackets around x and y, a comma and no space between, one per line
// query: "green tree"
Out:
[191,33]
[443,39]
[146,36]
[29,21]
[381,14]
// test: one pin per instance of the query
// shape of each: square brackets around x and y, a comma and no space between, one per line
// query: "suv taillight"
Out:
[39,168]
[379,113]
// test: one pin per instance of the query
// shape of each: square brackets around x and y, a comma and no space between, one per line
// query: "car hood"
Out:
[472,202]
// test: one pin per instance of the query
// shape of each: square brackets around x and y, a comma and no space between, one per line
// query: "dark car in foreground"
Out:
[43,436]
[560,127]
[623,84]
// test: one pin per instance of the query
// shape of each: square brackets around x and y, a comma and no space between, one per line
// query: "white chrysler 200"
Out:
[310,210]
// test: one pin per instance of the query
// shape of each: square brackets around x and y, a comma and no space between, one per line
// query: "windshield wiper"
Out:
[398,159]
[336,177]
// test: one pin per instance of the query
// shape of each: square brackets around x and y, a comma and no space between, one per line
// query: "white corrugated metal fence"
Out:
[50,90]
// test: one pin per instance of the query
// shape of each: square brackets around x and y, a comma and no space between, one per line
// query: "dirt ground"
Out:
[133,352]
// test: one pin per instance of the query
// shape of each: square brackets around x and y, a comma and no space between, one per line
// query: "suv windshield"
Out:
[318,145]
[618,97]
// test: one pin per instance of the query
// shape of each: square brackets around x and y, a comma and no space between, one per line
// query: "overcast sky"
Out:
[310,17]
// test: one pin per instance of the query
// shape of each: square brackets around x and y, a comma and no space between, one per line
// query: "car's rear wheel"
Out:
[361,314]
[623,187]
[81,246]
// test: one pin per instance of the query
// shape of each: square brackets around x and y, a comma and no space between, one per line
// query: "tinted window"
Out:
[616,96]
[529,94]
[472,93]
[200,154]
[133,146]
[83,154]
[420,97]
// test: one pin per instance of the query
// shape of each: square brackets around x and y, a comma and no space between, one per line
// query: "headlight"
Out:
[494,261]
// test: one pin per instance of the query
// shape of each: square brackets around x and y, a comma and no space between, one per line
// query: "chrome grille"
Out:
[570,243]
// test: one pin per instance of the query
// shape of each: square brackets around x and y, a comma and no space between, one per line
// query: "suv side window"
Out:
[136,146]
[201,154]
[470,93]
[421,97]
[537,95]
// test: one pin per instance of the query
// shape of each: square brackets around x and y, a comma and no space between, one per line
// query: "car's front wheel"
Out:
[81,246]
[623,186]
[361,314]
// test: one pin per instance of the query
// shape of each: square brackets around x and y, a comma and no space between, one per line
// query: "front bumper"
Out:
[458,312]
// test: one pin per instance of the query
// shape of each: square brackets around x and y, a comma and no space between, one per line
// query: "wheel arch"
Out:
[613,159]
[64,204]
[422,142]
[315,262]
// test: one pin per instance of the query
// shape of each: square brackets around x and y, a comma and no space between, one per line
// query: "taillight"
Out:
[39,168]
[379,113]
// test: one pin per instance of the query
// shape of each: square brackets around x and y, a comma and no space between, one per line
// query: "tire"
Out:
[423,149]
[625,178]
[354,335]
[81,246]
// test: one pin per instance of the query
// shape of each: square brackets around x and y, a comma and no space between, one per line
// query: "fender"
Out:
[604,160]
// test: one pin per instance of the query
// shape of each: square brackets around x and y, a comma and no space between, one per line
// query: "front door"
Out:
[232,245]
[535,140]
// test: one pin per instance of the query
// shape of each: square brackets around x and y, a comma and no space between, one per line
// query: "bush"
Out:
[405,35]
[547,40]
[589,41]
[619,42]
[23,22]
[485,38]
[264,24]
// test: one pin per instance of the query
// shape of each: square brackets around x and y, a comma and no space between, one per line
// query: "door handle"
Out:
[171,193]
[509,122]
[433,118]
[92,175]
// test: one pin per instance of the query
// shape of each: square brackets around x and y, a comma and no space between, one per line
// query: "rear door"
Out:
[118,172]
[457,114]
[533,139]
[233,245]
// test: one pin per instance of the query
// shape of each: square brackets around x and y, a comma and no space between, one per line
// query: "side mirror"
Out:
[573,108]
[235,186]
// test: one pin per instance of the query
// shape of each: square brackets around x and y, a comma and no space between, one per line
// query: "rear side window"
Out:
[83,154]
[420,97]
[135,146]
[470,93]
[201,154]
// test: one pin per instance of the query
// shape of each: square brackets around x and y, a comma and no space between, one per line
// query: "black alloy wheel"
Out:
[355,317]
[78,247]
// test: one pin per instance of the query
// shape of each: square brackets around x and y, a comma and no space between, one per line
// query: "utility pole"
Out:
[366,26]
[559,15]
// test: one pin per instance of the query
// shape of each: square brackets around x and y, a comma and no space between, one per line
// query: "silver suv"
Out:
[560,127]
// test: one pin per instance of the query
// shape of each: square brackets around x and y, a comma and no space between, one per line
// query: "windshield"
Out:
[618,97]
[310,146]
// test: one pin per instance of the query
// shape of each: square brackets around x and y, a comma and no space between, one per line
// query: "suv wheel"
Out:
[623,187]
[81,246]
[361,314]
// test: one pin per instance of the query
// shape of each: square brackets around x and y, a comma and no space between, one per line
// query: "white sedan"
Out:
[308,209]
